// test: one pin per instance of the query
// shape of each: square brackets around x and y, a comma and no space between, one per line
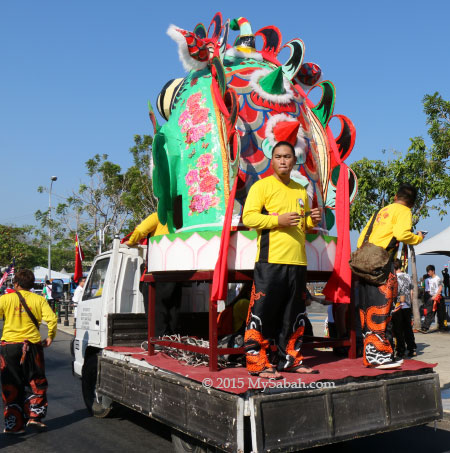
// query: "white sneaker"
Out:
[390,365]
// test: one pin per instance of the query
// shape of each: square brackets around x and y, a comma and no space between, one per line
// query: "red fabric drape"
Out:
[339,285]
[220,277]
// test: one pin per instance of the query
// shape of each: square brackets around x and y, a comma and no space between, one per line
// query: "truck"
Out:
[227,410]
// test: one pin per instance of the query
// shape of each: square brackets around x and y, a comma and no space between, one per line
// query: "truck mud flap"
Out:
[209,415]
[307,418]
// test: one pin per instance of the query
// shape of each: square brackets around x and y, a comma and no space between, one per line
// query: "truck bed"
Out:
[236,412]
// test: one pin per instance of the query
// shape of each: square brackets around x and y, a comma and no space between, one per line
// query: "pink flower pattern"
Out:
[193,121]
[202,182]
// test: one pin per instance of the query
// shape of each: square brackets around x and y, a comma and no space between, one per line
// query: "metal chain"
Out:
[189,358]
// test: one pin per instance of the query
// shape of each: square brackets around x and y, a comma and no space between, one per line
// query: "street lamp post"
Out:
[53,178]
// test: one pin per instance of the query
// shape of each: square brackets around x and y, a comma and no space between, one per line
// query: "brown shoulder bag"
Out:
[371,262]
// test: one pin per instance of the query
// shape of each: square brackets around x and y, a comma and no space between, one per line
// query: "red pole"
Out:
[352,349]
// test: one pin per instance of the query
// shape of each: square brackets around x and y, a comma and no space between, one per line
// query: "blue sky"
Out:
[76,77]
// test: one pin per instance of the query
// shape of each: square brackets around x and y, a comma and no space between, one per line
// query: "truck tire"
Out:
[183,443]
[88,388]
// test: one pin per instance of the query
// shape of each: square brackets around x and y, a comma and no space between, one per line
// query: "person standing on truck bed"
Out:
[24,385]
[393,224]
[277,207]
[167,294]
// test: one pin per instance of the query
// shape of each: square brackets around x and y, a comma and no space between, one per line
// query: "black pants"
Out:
[403,333]
[440,311]
[277,315]
[446,290]
[375,304]
[167,307]
[24,386]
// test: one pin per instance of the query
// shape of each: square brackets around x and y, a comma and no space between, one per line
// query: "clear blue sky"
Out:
[76,76]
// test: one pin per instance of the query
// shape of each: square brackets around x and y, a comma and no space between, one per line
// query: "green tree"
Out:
[424,167]
[17,242]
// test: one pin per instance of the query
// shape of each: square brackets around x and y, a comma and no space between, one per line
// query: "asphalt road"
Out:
[71,429]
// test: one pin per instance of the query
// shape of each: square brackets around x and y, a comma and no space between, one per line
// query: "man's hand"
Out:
[316,215]
[420,234]
[47,342]
[288,219]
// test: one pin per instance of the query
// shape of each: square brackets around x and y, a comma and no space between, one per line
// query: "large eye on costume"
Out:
[168,96]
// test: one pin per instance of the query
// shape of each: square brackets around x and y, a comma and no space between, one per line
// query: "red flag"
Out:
[79,257]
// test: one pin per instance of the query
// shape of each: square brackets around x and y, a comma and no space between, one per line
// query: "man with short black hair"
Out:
[278,208]
[77,295]
[22,355]
[392,225]
[434,302]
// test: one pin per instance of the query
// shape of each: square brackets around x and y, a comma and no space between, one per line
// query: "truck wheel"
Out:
[88,387]
[183,443]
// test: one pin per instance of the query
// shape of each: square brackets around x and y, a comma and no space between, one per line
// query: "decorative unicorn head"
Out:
[225,116]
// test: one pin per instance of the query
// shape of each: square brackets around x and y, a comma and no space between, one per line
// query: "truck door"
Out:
[90,308]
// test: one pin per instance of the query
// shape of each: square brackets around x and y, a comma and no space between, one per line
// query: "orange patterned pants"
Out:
[276,315]
[375,304]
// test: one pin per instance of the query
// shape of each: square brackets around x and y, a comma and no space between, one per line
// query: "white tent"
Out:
[437,245]
[41,274]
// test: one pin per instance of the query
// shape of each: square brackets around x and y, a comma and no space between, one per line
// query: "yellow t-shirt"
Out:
[18,325]
[266,200]
[393,221]
[149,225]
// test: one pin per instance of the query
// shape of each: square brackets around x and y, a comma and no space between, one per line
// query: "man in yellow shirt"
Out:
[22,356]
[167,294]
[392,225]
[277,207]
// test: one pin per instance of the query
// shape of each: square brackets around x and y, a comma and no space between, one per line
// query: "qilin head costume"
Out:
[225,116]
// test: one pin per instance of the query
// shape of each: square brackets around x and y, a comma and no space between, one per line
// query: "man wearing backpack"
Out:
[22,363]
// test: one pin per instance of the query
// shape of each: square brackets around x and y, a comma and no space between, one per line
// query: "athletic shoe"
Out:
[7,431]
[33,423]
[390,365]
[412,353]
[422,330]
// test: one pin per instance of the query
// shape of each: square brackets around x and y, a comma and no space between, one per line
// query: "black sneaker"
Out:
[412,353]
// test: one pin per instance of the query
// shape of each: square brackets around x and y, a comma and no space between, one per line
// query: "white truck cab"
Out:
[112,286]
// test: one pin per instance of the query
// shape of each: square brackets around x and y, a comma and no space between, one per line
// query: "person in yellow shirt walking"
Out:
[22,363]
[277,207]
[392,225]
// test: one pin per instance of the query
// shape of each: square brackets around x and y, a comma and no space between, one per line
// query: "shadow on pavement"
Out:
[123,413]
[69,419]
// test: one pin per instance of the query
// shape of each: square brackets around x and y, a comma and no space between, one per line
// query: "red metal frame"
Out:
[233,277]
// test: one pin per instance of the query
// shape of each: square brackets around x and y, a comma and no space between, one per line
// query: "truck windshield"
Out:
[94,286]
